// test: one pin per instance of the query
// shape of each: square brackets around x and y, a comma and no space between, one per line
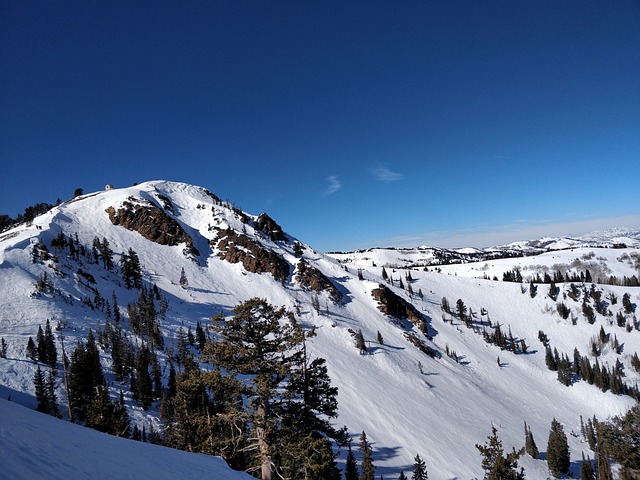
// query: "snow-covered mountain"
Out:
[408,394]
[617,238]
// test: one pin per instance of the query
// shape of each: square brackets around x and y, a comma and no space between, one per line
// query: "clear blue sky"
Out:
[353,124]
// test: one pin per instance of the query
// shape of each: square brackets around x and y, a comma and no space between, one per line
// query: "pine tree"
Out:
[32,351]
[256,342]
[367,468]
[402,476]
[529,443]
[558,458]
[495,464]
[3,348]
[41,391]
[419,469]
[586,469]
[201,338]
[51,353]
[184,283]
[351,467]
[41,345]
[360,344]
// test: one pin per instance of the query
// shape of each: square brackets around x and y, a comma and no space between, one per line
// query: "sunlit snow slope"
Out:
[407,402]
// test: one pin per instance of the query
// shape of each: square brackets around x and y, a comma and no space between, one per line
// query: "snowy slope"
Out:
[440,412]
[37,446]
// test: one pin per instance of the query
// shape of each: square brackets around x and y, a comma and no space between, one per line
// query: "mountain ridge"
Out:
[417,403]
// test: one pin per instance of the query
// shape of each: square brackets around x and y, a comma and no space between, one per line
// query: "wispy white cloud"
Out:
[385,175]
[334,185]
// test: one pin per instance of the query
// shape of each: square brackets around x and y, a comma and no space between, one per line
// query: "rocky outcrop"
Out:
[395,306]
[149,221]
[236,247]
[266,224]
[313,279]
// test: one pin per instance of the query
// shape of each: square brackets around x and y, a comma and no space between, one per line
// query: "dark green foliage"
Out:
[495,464]
[131,269]
[32,351]
[367,468]
[143,317]
[402,476]
[3,348]
[360,344]
[106,416]
[444,303]
[553,291]
[619,440]
[529,443]
[143,392]
[85,377]
[626,303]
[586,469]
[287,397]
[563,310]
[558,458]
[533,290]
[588,312]
[201,338]
[419,469]
[102,251]
[202,416]
[184,283]
[461,310]
[45,393]
[351,467]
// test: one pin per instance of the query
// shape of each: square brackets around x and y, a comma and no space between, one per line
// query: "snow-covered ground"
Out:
[37,446]
[407,402]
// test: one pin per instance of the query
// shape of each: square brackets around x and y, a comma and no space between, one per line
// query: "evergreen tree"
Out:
[619,440]
[495,464]
[85,377]
[201,338]
[32,351]
[131,269]
[184,283]
[51,353]
[351,466]
[3,348]
[558,458]
[41,345]
[586,469]
[419,469]
[529,443]
[367,468]
[106,416]
[402,476]
[360,344]
[41,391]
[461,309]
[258,344]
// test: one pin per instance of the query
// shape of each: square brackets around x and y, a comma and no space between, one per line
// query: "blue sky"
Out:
[353,124]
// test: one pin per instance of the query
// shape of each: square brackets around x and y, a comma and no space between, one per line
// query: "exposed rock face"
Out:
[235,247]
[268,225]
[314,279]
[149,221]
[395,306]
